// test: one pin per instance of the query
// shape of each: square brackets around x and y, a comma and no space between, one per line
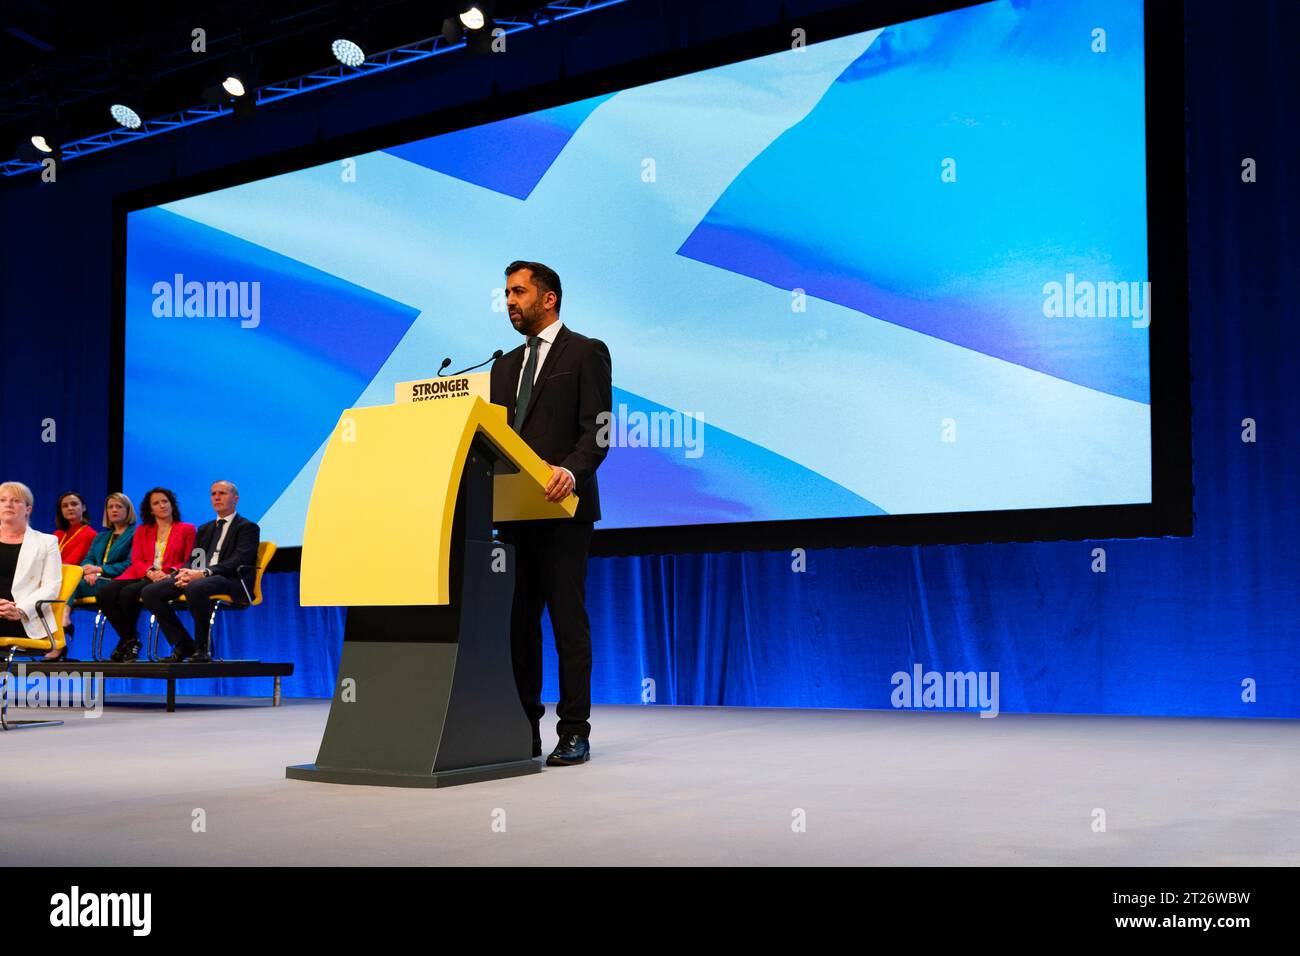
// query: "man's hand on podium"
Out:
[561,484]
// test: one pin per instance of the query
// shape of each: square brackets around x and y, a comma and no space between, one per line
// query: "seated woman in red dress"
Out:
[73,533]
[162,544]
[74,537]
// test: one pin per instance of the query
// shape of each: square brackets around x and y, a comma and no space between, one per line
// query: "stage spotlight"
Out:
[233,82]
[40,147]
[348,53]
[231,86]
[232,91]
[473,19]
[474,24]
[125,116]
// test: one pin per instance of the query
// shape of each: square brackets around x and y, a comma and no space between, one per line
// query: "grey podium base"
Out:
[443,778]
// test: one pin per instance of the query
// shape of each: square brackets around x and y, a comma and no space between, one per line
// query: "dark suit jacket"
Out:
[560,424]
[239,550]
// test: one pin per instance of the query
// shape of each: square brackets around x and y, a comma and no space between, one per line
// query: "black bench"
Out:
[158,670]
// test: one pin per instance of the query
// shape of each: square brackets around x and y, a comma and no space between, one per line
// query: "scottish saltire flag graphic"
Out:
[902,271]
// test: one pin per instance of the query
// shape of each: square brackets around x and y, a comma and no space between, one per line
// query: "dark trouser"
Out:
[551,572]
[198,598]
[120,602]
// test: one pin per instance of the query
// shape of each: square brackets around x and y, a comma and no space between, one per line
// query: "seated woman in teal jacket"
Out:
[109,555]
[110,552]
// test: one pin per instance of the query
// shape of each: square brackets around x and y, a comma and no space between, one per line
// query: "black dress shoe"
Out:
[179,653]
[125,652]
[569,752]
[200,656]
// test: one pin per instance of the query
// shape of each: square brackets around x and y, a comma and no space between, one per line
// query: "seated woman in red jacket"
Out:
[73,533]
[74,537]
[162,544]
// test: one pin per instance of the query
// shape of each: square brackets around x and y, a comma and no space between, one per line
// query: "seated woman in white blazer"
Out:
[30,568]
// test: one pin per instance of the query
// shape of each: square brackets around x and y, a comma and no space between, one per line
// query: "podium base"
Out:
[443,778]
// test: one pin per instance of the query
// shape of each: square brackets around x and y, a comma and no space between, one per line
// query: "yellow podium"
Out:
[399,531]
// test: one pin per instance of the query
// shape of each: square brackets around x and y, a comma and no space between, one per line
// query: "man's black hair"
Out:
[544,277]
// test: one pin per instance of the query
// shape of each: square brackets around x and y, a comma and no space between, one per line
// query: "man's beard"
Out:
[522,321]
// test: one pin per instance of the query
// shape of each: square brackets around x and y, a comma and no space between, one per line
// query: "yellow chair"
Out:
[50,642]
[265,552]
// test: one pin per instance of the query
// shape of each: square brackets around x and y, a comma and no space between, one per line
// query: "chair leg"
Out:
[8,688]
[97,636]
[151,644]
[212,631]
[5,723]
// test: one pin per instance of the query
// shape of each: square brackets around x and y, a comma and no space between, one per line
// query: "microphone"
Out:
[445,363]
[495,355]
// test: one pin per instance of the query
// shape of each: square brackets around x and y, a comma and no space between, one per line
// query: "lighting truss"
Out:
[307,83]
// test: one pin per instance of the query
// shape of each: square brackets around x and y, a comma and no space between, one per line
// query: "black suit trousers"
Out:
[551,573]
[198,596]
[120,602]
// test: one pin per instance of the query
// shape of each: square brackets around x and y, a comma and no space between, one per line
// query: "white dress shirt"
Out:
[221,539]
[547,335]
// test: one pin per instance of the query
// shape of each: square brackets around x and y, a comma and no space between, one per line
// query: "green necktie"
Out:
[526,386]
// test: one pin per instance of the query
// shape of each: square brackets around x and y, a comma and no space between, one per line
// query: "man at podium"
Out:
[555,388]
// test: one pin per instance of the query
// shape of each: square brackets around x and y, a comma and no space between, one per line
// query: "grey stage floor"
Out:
[676,786]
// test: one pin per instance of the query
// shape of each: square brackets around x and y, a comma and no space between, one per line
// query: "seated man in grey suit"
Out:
[225,555]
